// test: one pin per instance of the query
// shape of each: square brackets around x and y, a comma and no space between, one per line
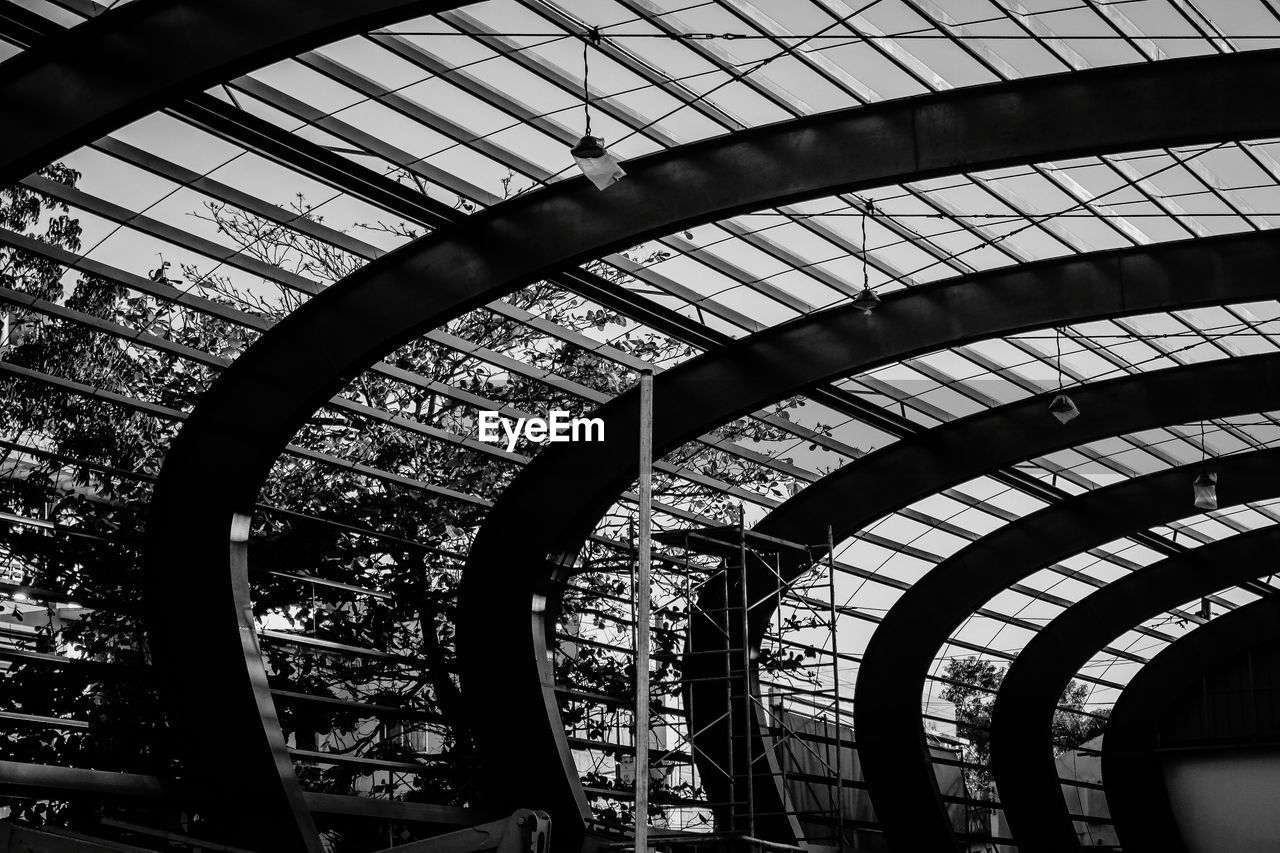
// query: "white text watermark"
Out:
[557,426]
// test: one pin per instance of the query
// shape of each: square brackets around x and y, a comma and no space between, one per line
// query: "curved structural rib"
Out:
[1135,785]
[923,465]
[1022,757]
[123,65]
[216,466]
[534,530]
[898,657]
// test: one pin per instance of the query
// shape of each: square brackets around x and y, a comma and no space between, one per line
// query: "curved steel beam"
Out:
[121,66]
[898,657]
[216,465]
[533,531]
[923,465]
[1022,757]
[944,456]
[1135,785]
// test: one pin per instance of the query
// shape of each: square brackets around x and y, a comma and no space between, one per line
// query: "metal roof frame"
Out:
[886,700]
[72,88]
[1136,792]
[1022,758]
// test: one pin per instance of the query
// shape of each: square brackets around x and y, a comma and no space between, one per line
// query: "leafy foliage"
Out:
[83,455]
[972,689]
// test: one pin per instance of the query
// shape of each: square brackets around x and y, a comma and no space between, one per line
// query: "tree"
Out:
[971,686]
[89,468]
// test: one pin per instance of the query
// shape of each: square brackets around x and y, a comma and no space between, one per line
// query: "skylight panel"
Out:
[748,107]
[179,142]
[950,401]
[806,287]
[1009,500]
[807,246]
[320,93]
[671,119]
[1086,33]
[126,185]
[876,73]
[362,56]
[1090,566]
[754,304]
[54,12]
[809,91]
[1050,581]
[947,60]
[754,261]
[1250,18]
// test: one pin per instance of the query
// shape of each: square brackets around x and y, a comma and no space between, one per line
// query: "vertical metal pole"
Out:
[732,754]
[631,567]
[774,710]
[645,570]
[688,631]
[835,683]
[748,718]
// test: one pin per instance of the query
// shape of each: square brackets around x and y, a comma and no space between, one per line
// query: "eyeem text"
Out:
[558,426]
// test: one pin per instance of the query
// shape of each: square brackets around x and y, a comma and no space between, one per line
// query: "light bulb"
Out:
[1205,488]
[866,300]
[1063,408]
[600,167]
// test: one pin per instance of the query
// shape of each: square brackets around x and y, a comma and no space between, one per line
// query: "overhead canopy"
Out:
[778,160]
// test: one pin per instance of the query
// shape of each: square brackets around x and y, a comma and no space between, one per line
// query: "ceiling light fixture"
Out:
[1206,490]
[600,167]
[1062,407]
[1205,487]
[866,301]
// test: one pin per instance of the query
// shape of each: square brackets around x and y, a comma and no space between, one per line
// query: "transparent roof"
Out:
[480,104]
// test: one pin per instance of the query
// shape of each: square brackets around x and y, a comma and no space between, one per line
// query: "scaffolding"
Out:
[745,738]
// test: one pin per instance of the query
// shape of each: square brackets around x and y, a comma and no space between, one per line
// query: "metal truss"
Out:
[926,464]
[211,112]
[1136,792]
[1022,757]
[113,69]
[887,696]
[561,493]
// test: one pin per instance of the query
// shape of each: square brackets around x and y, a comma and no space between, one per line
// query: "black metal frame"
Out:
[1135,786]
[1022,757]
[900,653]
[890,479]
[69,89]
[551,506]
[215,468]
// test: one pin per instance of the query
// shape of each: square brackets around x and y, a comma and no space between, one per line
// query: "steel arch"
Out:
[71,88]
[897,659]
[1022,757]
[216,465]
[917,467]
[550,507]
[1136,791]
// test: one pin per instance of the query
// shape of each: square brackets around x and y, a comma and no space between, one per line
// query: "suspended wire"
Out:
[842,39]
[1057,337]
[867,212]
[593,37]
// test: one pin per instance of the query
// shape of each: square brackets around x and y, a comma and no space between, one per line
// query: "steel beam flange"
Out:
[1022,755]
[914,468]
[76,86]
[1136,792]
[196,579]
[901,651]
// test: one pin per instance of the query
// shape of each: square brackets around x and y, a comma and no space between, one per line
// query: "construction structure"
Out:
[958,326]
